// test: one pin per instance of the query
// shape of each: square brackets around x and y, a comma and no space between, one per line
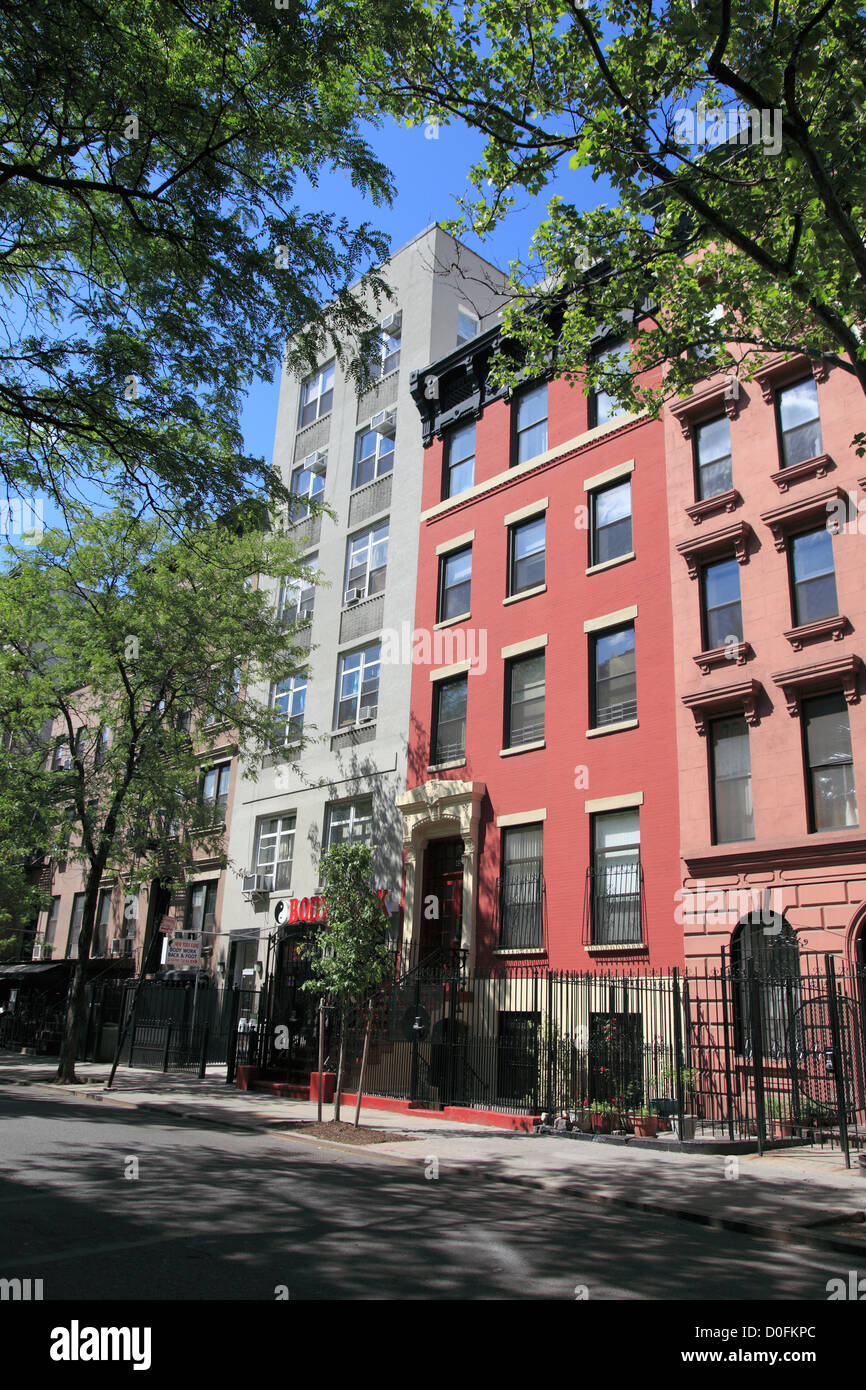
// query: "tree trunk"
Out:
[340,1065]
[321,1055]
[367,1032]
[74,1021]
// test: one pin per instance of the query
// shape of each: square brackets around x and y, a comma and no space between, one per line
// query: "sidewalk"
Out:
[798,1196]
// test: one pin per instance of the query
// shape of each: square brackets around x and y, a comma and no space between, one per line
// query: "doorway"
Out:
[442,908]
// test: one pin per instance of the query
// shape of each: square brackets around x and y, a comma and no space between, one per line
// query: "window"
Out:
[602,406]
[524,715]
[799,422]
[215,789]
[297,598]
[317,396]
[770,943]
[459,461]
[51,922]
[615,688]
[616,878]
[80,742]
[75,926]
[526,561]
[275,850]
[352,820]
[531,423]
[813,576]
[366,562]
[455,582]
[307,484]
[521,888]
[60,757]
[99,945]
[386,354]
[101,751]
[731,769]
[374,456]
[358,686]
[722,613]
[827,731]
[201,907]
[468,327]
[449,720]
[713,457]
[610,533]
[289,696]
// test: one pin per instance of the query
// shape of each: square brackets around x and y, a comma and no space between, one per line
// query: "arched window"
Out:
[770,943]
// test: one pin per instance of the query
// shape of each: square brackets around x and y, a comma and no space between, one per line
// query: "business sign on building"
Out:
[182,955]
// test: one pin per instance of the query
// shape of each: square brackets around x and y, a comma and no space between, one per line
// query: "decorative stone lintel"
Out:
[818,467]
[722,394]
[734,652]
[821,676]
[816,632]
[707,704]
[708,506]
[781,369]
[783,520]
[728,538]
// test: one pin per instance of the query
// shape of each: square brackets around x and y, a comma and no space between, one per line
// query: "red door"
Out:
[442,909]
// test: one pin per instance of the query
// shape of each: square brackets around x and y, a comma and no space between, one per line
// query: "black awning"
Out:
[28,969]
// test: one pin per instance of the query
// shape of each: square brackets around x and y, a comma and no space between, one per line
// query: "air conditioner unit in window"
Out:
[316,463]
[256,883]
[37,950]
[392,321]
[384,422]
[355,595]
[368,712]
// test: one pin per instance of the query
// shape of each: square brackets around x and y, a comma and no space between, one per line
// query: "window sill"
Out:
[616,728]
[522,748]
[449,622]
[709,506]
[817,467]
[352,728]
[629,946]
[736,652]
[818,631]
[525,593]
[519,951]
[609,564]
[446,767]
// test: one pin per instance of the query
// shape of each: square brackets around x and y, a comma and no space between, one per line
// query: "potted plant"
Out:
[602,1116]
[646,1123]
[778,1109]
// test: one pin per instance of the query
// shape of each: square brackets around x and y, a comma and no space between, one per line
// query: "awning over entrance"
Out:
[26,970]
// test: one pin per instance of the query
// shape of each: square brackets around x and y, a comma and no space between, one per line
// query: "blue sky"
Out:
[428,173]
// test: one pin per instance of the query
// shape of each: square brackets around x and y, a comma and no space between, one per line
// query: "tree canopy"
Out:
[733,136]
[154,251]
[131,661]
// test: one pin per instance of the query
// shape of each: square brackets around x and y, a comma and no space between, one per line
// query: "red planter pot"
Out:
[646,1126]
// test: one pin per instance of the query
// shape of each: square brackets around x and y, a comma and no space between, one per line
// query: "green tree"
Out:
[349,952]
[140,652]
[154,257]
[730,251]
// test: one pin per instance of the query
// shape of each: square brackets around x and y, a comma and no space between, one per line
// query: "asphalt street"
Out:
[105,1203]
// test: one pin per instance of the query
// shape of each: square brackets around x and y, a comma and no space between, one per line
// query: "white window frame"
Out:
[361,552]
[362,662]
[381,454]
[295,693]
[285,829]
[354,820]
[315,388]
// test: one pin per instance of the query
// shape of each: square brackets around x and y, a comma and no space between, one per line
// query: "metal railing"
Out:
[520,898]
[615,897]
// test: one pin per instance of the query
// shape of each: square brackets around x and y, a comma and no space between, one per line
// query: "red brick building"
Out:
[541,822]
[769,608]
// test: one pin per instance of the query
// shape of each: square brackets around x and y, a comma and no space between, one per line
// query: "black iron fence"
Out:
[718,1054]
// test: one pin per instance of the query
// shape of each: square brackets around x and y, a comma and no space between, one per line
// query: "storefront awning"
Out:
[26,970]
